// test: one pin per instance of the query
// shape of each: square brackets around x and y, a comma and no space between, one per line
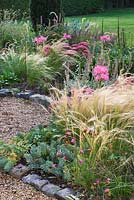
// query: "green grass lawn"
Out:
[110,18]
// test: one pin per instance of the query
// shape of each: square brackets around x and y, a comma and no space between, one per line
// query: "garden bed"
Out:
[88,142]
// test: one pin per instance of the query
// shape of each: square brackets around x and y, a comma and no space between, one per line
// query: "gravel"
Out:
[18,115]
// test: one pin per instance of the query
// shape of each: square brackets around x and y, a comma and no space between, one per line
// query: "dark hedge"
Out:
[70,7]
[23,5]
[40,11]
[81,7]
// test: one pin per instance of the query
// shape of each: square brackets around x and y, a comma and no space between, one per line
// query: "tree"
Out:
[40,11]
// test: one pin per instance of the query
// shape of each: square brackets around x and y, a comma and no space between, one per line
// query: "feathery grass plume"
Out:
[103,122]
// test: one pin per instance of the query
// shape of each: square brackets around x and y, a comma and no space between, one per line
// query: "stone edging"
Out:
[28,95]
[22,172]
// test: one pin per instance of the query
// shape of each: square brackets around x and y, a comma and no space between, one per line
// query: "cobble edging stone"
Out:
[5,92]
[19,171]
[27,95]
[49,189]
[40,183]
[64,193]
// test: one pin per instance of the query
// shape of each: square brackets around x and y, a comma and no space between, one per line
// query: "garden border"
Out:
[21,171]
[27,95]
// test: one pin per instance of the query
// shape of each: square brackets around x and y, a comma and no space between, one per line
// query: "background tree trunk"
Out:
[40,12]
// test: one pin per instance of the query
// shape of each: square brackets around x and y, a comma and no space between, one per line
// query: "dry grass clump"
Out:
[104,123]
[103,104]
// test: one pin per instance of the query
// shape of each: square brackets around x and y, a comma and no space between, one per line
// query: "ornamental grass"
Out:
[103,124]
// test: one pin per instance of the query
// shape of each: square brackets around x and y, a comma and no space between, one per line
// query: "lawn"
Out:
[110,20]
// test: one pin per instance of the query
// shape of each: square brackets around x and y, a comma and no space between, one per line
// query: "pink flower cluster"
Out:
[81,161]
[81,48]
[101,73]
[107,190]
[40,39]
[105,38]
[86,91]
[73,140]
[67,36]
[47,50]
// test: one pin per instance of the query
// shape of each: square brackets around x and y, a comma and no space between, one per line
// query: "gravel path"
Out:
[17,115]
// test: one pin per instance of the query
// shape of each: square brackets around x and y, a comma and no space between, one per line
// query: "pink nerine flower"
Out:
[101,73]
[98,181]
[84,43]
[59,154]
[67,36]
[106,38]
[81,151]
[47,50]
[40,39]
[68,133]
[73,140]
[88,91]
[55,165]
[65,158]
[106,190]
[108,179]
[81,161]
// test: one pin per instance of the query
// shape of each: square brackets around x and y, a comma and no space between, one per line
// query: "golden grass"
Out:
[108,112]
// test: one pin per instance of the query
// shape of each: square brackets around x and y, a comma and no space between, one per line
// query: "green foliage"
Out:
[8,79]
[81,30]
[15,33]
[54,64]
[39,148]
[32,69]
[22,6]
[43,157]
[6,164]
[12,152]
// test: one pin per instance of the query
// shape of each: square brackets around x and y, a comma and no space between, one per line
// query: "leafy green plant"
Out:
[43,150]
[12,152]
[50,158]
[8,79]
